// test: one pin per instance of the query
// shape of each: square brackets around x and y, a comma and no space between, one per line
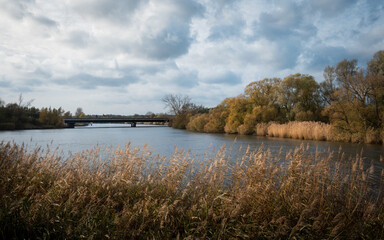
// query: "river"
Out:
[163,141]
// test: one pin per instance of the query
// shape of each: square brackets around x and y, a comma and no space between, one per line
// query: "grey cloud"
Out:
[16,8]
[169,43]
[286,21]
[41,73]
[273,26]
[44,21]
[174,39]
[226,31]
[331,8]
[87,81]
[4,83]
[186,9]
[287,54]
[289,29]
[186,79]
[373,37]
[78,39]
[225,2]
[227,78]
[375,13]
[19,9]
[116,10]
[33,82]
[23,89]
[163,34]
[322,56]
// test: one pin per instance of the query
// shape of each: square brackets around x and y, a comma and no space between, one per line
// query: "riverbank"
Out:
[305,130]
[136,195]
[28,126]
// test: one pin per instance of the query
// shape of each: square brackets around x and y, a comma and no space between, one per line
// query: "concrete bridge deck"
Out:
[70,122]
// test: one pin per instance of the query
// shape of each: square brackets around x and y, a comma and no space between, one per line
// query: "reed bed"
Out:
[135,195]
[301,130]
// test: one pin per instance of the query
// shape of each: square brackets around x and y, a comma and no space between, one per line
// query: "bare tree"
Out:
[79,113]
[176,103]
[21,101]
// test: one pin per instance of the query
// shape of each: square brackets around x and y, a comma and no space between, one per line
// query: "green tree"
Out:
[264,92]
[376,65]
[300,93]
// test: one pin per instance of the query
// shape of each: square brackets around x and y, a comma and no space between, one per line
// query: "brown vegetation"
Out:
[349,103]
[301,130]
[128,194]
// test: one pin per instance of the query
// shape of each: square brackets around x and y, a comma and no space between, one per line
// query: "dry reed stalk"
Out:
[261,129]
[301,130]
[128,193]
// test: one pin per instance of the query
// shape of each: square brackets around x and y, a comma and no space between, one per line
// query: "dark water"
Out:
[163,141]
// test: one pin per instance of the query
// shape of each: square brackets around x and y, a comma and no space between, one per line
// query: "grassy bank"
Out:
[136,196]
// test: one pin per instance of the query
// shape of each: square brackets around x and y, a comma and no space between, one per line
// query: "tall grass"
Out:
[302,130]
[134,195]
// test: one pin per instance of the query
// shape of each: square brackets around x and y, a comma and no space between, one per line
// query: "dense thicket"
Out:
[350,99]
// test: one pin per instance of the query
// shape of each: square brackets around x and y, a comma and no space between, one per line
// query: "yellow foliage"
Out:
[198,122]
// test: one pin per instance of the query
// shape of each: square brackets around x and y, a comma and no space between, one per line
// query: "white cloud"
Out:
[122,56]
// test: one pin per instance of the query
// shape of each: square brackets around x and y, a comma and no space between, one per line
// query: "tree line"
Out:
[22,115]
[350,99]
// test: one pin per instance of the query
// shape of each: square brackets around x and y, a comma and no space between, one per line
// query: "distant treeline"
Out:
[22,116]
[350,100]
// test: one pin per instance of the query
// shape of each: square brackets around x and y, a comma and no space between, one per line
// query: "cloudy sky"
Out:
[123,56]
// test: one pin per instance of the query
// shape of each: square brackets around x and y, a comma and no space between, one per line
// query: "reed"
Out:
[261,129]
[302,130]
[127,193]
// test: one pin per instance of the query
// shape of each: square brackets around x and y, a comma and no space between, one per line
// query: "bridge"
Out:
[70,122]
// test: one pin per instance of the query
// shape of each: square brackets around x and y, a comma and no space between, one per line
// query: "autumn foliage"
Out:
[347,106]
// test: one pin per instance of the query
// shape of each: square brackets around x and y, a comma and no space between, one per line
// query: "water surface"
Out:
[163,141]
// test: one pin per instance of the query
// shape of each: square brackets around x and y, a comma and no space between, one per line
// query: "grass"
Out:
[135,195]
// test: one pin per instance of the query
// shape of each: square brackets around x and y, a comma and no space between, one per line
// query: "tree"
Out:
[176,103]
[264,92]
[300,93]
[328,86]
[237,108]
[21,102]
[51,117]
[376,65]
[79,113]
[346,69]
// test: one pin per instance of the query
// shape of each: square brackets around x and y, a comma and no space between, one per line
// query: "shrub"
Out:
[198,122]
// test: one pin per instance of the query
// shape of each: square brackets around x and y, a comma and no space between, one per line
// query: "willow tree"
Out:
[300,97]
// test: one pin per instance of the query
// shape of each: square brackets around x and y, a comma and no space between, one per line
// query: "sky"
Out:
[124,56]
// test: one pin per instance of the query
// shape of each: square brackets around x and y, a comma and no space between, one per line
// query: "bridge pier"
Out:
[133,124]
